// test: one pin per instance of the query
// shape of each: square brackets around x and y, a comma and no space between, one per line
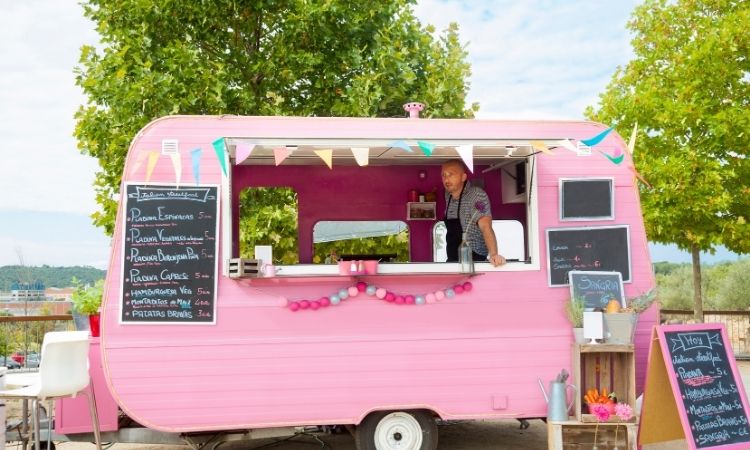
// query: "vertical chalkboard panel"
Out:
[601,249]
[711,397]
[169,254]
[587,199]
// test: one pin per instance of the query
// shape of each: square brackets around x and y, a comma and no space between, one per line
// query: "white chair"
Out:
[63,372]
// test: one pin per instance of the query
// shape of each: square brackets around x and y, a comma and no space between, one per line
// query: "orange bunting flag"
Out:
[138,161]
[280,154]
[541,146]
[326,156]
[153,156]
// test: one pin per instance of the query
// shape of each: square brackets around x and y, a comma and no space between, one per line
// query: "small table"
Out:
[20,380]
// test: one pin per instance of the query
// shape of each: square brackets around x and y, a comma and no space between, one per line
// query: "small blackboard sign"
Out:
[596,288]
[708,405]
[587,199]
[169,254]
[600,249]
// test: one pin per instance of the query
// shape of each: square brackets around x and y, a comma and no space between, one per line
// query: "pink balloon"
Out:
[439,295]
[397,298]
[282,301]
[380,293]
[409,299]
[361,286]
[430,298]
[458,289]
[324,301]
[353,291]
[468,286]
[294,306]
[390,296]
[304,304]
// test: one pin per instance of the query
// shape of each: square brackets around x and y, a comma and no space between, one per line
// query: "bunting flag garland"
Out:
[153,156]
[195,156]
[280,154]
[326,156]
[242,152]
[541,146]
[426,147]
[138,161]
[631,143]
[597,139]
[617,158]
[177,166]
[221,154]
[361,155]
[567,144]
[402,145]
[466,152]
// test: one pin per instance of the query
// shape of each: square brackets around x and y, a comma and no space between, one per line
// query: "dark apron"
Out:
[454,232]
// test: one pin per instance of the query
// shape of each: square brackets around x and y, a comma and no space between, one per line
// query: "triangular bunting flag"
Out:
[153,156]
[631,143]
[221,154]
[466,152]
[402,145]
[177,166]
[326,156]
[617,159]
[361,155]
[541,146]
[280,154]
[639,176]
[241,152]
[567,144]
[138,162]
[426,147]
[195,155]
[596,139]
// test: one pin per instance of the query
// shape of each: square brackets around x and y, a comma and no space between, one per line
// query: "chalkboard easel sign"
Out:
[587,199]
[693,391]
[169,254]
[596,288]
[600,249]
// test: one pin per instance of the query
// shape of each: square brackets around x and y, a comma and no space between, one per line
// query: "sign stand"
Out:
[693,396]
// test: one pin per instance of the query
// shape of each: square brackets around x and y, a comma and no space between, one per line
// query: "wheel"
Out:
[397,430]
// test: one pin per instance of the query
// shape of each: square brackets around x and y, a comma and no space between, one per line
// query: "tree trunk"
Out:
[697,295]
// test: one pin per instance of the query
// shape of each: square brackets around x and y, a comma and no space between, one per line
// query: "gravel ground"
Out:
[468,435]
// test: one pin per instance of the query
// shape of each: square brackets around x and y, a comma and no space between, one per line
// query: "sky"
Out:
[540,59]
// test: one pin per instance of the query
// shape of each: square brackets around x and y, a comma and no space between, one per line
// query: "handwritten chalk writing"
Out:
[718,422]
[708,357]
[686,373]
[559,247]
[149,302]
[691,341]
[136,277]
[147,314]
[719,436]
[186,291]
[711,409]
[153,291]
[703,393]
[681,359]
[167,275]
[180,314]
[163,237]
[161,255]
[588,283]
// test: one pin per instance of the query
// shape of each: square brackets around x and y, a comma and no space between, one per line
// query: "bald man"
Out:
[467,210]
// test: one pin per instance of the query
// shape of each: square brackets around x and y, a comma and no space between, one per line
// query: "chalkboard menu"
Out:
[710,397]
[596,288]
[169,257]
[587,199]
[601,249]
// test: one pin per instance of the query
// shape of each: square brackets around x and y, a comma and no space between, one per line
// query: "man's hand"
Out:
[497,260]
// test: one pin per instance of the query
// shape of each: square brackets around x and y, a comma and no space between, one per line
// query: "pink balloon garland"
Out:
[380,293]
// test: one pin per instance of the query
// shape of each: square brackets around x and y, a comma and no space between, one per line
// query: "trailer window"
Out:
[387,241]
[268,216]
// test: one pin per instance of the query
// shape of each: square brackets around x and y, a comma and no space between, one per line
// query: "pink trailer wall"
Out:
[475,356]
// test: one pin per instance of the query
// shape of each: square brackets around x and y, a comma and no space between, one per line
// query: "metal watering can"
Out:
[557,408]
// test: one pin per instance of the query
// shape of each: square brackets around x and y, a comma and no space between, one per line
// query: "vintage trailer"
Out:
[190,344]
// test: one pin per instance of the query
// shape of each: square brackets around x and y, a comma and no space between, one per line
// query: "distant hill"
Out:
[49,276]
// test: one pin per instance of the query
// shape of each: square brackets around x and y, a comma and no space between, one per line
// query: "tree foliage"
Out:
[688,89]
[268,57]
[49,276]
[268,216]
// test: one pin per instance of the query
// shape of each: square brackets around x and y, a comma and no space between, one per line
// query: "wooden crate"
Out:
[244,268]
[610,366]
[575,435]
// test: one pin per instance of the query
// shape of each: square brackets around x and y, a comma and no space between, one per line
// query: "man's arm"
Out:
[485,226]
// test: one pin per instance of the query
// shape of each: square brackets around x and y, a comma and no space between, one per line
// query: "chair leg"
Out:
[94,415]
[37,424]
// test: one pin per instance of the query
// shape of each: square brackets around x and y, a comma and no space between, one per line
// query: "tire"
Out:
[397,430]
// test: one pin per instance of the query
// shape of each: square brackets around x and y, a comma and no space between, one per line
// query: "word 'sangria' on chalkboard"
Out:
[596,289]
[693,390]
[587,199]
[169,254]
[601,249]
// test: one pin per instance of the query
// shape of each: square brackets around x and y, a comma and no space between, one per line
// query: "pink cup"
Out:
[345,267]
[371,266]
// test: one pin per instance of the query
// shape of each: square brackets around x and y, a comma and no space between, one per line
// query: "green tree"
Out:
[733,291]
[268,216]
[268,57]
[687,89]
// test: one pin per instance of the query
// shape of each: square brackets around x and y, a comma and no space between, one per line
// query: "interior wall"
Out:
[362,193]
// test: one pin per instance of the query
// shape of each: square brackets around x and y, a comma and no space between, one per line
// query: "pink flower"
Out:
[623,411]
[601,412]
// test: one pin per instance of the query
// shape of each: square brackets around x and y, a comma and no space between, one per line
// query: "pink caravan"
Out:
[196,337]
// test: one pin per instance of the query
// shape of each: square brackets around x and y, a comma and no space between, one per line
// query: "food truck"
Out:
[202,336]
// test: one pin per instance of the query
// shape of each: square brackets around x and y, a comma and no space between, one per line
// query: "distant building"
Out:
[59,293]
[24,292]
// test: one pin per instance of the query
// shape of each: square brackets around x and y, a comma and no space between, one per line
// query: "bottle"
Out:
[465,256]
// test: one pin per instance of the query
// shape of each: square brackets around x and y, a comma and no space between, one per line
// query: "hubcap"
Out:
[398,431]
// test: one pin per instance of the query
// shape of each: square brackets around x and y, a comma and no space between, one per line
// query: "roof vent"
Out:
[170,146]
[413,108]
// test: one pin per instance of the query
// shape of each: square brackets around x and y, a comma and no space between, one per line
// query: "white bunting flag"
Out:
[466,152]
[242,152]
[361,155]
[631,144]
[177,165]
